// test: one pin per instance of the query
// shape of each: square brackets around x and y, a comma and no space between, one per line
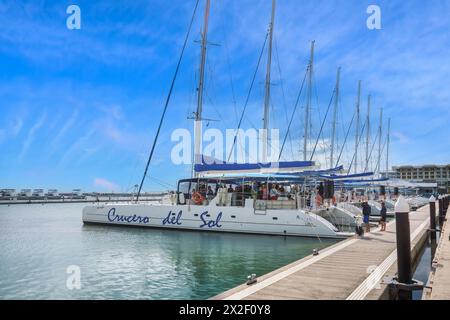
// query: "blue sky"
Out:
[79,108]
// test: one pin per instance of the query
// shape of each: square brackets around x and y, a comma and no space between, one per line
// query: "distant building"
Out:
[439,174]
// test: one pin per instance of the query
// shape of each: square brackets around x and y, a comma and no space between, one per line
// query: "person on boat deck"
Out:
[320,190]
[222,195]
[210,193]
[173,197]
[230,189]
[383,214]
[366,215]
[274,193]
[265,194]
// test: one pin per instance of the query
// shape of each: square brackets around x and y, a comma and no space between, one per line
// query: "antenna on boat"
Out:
[358,103]
[308,102]
[336,104]
[265,140]
[367,132]
[201,82]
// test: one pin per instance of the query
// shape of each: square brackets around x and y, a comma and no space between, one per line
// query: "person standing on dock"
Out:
[383,214]
[366,215]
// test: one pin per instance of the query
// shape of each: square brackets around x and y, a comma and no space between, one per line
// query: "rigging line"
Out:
[248,95]
[293,114]
[371,150]
[323,147]
[227,56]
[382,151]
[323,123]
[169,95]
[283,95]
[357,146]
[162,182]
[345,140]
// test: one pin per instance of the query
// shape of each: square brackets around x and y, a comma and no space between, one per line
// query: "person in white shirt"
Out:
[222,192]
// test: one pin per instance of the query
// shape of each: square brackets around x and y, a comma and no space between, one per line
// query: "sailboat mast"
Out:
[358,103]
[201,82]
[388,145]
[367,133]
[265,140]
[336,105]
[308,103]
[380,131]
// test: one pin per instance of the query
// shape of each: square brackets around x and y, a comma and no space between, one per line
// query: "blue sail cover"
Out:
[316,173]
[217,166]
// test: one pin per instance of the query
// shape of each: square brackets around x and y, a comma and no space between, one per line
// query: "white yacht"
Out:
[238,211]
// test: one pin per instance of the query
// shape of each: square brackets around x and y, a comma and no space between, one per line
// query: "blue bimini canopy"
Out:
[221,167]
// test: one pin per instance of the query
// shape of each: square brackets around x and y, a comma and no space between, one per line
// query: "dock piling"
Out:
[433,219]
[446,200]
[403,235]
[441,211]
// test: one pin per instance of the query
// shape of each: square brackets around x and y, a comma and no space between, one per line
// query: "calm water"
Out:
[39,242]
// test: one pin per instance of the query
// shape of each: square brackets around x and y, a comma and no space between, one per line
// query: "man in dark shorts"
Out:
[383,213]
[366,215]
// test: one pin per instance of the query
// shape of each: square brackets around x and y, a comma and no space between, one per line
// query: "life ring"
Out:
[318,200]
[198,198]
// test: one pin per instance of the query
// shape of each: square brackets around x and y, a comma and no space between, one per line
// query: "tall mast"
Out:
[308,103]
[265,141]
[367,133]
[358,103]
[388,145]
[336,105]
[380,131]
[198,114]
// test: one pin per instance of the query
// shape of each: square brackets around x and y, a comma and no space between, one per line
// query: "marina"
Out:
[224,153]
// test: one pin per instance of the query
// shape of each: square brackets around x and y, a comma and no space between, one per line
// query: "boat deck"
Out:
[352,269]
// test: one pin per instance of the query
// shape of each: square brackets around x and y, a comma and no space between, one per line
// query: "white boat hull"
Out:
[214,218]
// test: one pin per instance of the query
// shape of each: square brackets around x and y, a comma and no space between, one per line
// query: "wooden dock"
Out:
[353,269]
[439,280]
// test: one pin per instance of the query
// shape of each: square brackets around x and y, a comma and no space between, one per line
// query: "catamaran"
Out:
[231,197]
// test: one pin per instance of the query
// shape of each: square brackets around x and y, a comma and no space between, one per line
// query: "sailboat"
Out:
[236,199]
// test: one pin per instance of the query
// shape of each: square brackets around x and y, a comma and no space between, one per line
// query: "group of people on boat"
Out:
[235,194]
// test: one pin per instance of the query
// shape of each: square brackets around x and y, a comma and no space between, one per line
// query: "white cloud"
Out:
[106,185]
[31,136]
